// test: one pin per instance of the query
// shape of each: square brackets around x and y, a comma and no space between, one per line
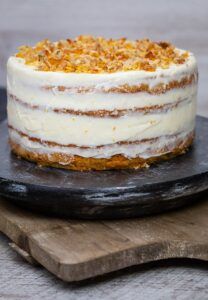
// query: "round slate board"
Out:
[106,194]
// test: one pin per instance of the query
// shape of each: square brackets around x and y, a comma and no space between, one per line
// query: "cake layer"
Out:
[143,148]
[95,131]
[119,161]
[131,89]
[98,101]
[103,112]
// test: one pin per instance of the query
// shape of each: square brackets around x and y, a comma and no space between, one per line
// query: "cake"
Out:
[96,104]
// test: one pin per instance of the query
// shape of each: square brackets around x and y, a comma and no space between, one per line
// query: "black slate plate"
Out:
[106,194]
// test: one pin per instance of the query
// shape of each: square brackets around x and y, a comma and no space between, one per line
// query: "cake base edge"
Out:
[78,163]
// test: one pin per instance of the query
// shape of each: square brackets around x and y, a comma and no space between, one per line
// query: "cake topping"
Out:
[87,54]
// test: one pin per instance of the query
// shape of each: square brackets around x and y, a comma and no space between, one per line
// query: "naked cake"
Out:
[95,103]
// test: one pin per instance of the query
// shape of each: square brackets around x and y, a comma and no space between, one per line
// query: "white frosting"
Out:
[27,84]
[143,150]
[98,101]
[91,131]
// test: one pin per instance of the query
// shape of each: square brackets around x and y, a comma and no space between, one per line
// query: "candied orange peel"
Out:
[88,54]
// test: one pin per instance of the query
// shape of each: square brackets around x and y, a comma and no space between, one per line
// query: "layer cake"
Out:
[95,104]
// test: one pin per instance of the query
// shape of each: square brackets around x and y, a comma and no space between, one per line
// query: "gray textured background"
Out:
[185,23]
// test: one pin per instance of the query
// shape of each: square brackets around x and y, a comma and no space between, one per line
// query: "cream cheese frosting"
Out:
[89,131]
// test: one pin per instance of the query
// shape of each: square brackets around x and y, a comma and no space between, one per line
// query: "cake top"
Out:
[88,54]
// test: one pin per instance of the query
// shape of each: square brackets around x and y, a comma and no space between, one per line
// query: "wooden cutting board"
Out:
[74,250]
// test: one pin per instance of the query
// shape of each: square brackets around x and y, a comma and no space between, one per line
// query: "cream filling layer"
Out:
[98,101]
[87,131]
[143,150]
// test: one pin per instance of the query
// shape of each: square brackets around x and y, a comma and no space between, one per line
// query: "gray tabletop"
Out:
[183,22]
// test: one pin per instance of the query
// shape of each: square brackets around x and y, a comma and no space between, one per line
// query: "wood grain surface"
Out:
[173,279]
[183,22]
[74,250]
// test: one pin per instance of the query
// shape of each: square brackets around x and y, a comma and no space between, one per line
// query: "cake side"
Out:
[118,161]
[100,121]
